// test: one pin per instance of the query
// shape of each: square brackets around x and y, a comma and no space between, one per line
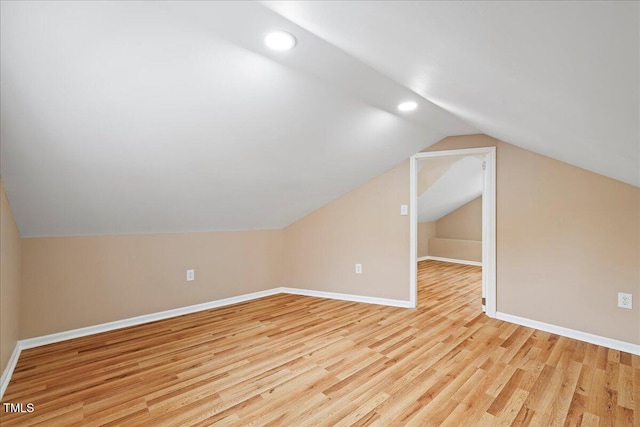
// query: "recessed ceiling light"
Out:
[408,106]
[280,40]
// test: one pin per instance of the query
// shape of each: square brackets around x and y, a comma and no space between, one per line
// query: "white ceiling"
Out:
[459,184]
[130,117]
[559,78]
[148,117]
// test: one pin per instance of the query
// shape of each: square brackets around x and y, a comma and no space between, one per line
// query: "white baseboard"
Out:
[139,320]
[8,370]
[347,297]
[455,261]
[147,318]
[572,333]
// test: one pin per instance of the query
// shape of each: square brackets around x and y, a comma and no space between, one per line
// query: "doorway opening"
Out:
[426,169]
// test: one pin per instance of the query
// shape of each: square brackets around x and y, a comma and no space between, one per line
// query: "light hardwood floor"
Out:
[292,360]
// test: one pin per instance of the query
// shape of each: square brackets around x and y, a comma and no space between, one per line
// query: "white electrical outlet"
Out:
[404,210]
[191,275]
[358,268]
[625,300]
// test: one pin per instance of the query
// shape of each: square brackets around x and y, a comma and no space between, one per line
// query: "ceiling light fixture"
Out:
[280,40]
[408,106]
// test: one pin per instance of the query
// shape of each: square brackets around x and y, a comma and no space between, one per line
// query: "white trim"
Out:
[452,260]
[104,327]
[139,320]
[488,223]
[423,258]
[571,333]
[460,152]
[413,232]
[8,371]
[348,297]
[147,318]
[489,286]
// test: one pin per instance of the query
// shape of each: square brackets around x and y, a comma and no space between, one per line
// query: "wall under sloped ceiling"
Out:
[9,280]
[74,282]
[567,242]
[426,231]
[465,223]
[457,235]
[363,226]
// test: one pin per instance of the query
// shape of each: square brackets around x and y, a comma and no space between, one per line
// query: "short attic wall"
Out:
[457,235]
[466,250]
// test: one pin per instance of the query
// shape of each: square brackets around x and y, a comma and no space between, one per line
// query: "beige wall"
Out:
[465,223]
[363,226]
[426,230]
[567,242]
[467,250]
[73,282]
[458,235]
[9,280]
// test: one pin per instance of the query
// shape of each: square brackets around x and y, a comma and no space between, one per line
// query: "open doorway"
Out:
[472,173]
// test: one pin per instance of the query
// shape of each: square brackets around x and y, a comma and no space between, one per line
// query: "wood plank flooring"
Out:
[289,360]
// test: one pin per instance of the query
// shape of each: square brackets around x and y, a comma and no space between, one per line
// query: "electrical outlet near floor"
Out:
[625,300]
[191,275]
[358,268]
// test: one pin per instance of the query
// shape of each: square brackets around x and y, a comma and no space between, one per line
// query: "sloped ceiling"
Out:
[130,117]
[137,117]
[559,78]
[460,183]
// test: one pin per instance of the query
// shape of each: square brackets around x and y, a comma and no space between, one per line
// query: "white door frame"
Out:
[488,223]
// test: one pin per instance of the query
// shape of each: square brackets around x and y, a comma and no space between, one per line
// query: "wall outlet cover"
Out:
[625,300]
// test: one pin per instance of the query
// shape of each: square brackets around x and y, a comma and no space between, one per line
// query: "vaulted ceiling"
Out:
[447,183]
[129,117]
